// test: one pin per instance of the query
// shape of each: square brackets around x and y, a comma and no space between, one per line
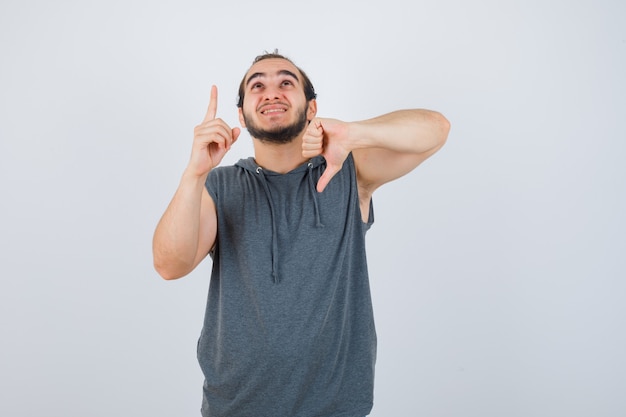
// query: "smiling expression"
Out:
[275,108]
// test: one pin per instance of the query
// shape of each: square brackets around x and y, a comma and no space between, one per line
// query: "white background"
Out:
[497,266]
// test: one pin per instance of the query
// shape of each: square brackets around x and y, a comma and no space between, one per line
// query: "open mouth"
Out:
[273,108]
[273,111]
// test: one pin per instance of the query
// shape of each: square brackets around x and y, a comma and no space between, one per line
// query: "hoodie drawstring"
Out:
[274,229]
[318,220]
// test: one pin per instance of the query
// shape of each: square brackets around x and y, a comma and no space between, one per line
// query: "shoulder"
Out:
[222,178]
[224,172]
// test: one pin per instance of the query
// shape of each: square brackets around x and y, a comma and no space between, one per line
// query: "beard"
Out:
[279,134]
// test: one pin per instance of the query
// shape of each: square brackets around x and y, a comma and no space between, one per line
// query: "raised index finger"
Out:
[212,110]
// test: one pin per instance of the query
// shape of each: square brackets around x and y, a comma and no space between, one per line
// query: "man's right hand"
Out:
[212,139]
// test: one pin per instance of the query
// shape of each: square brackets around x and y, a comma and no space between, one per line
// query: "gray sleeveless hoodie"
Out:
[289,328]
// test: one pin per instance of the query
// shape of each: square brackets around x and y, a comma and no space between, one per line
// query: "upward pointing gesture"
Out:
[212,110]
[212,139]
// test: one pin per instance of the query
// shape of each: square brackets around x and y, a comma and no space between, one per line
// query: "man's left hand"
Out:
[329,138]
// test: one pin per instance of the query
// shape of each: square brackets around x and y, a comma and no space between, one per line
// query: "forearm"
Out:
[176,238]
[403,131]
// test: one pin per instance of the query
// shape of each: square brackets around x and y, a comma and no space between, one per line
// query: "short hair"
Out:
[309,90]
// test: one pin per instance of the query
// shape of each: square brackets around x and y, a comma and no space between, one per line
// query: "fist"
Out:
[313,139]
[329,138]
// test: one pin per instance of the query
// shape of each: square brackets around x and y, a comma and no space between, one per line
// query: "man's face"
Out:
[274,107]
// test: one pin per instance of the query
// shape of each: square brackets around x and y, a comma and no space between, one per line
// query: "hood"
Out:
[250,165]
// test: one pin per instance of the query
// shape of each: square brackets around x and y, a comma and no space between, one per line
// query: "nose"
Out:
[271,93]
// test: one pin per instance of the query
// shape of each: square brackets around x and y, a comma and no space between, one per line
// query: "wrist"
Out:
[193,177]
[358,135]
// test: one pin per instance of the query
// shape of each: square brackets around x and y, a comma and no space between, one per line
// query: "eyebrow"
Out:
[262,75]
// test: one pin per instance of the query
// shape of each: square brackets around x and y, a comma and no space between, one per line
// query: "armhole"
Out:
[209,188]
[212,194]
[370,216]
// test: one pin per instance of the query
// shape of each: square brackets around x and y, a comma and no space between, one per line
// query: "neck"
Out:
[281,158]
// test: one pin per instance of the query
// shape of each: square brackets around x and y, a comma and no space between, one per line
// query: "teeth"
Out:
[273,111]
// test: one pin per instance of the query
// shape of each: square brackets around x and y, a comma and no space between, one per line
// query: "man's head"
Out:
[276,99]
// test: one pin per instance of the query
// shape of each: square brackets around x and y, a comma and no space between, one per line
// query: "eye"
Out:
[256,86]
[286,83]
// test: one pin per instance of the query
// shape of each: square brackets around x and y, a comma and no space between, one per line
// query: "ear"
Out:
[312,111]
[241,120]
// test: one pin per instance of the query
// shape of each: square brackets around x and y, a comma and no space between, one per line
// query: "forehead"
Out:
[272,67]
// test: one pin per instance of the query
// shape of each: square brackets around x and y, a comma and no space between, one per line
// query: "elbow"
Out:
[435,133]
[168,263]
[165,273]
[168,271]
[168,276]
[443,128]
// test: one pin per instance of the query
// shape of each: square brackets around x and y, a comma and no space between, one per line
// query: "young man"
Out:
[288,329]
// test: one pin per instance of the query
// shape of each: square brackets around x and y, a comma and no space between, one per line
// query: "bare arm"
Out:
[392,145]
[187,231]
[384,148]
